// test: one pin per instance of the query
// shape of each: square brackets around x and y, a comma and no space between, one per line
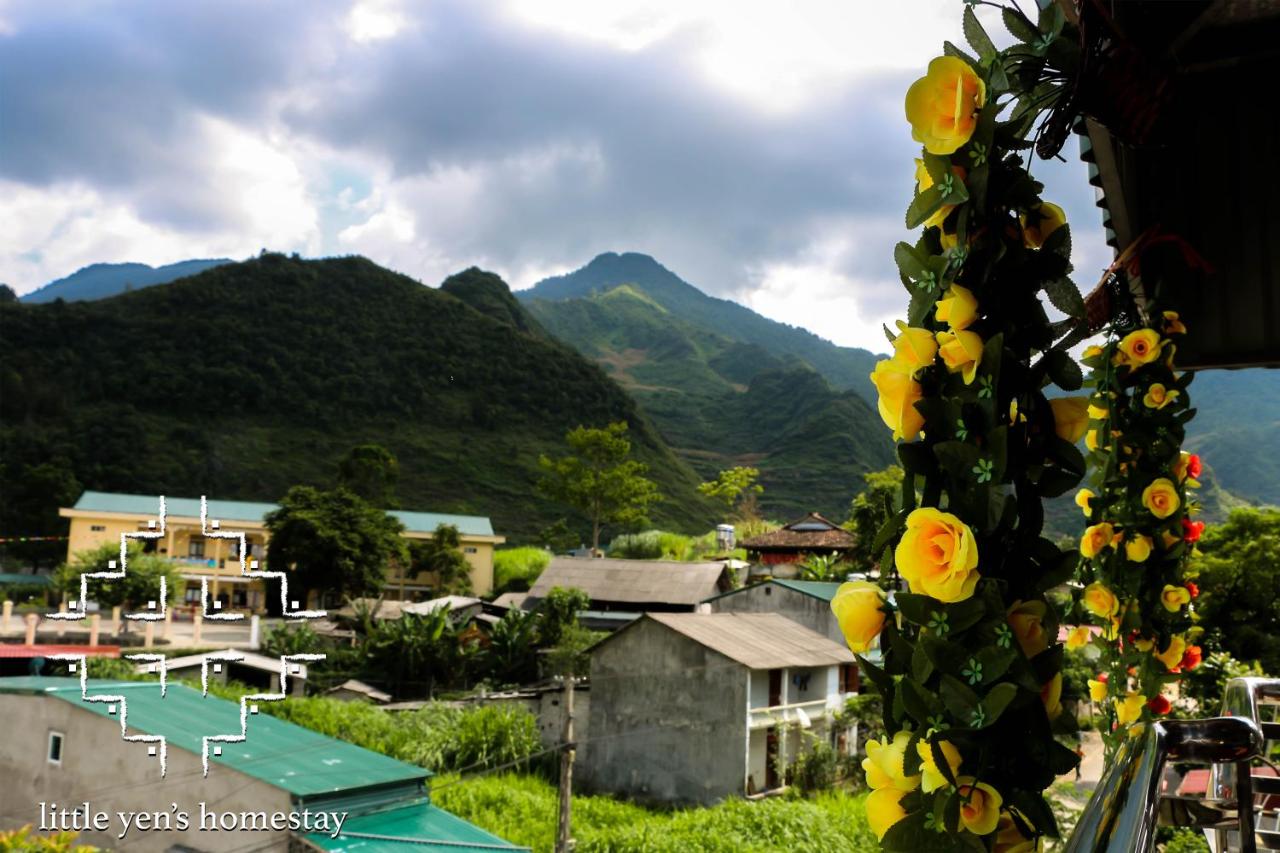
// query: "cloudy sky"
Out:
[756,148]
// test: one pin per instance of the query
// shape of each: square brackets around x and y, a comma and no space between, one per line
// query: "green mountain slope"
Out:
[98,281]
[251,377]
[720,401]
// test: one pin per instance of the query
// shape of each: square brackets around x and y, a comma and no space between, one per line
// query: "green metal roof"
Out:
[224,511]
[821,590]
[283,755]
[413,827]
[25,580]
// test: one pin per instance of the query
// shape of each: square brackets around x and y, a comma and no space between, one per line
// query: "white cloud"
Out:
[375,20]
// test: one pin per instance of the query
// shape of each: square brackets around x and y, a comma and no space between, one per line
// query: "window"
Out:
[470,549]
[55,747]
[195,548]
[98,528]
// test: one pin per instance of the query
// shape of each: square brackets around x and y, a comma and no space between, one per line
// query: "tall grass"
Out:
[515,569]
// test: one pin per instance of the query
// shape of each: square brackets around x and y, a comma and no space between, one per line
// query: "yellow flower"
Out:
[1070,417]
[899,392]
[961,352]
[1040,223]
[857,608]
[1173,597]
[1139,548]
[958,308]
[1172,325]
[1095,538]
[932,778]
[883,764]
[1082,500]
[938,555]
[1161,497]
[1091,439]
[1100,601]
[1171,657]
[979,806]
[1129,709]
[1097,690]
[1026,618]
[1097,412]
[924,180]
[1112,629]
[1138,348]
[1143,644]
[914,348]
[1092,351]
[1051,696]
[1009,839]
[1157,396]
[1079,637]
[943,105]
[884,809]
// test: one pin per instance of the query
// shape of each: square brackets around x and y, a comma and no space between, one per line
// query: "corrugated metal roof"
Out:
[413,827]
[815,589]
[42,650]
[755,640]
[812,531]
[414,522]
[631,581]
[283,755]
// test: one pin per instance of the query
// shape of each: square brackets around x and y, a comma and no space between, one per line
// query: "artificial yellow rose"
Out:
[1041,222]
[857,606]
[884,809]
[1100,601]
[979,806]
[883,764]
[1026,618]
[1092,351]
[1082,500]
[938,555]
[1171,657]
[1079,637]
[914,348]
[1172,325]
[924,180]
[1091,440]
[958,308]
[1097,412]
[1051,696]
[1157,396]
[961,352]
[1142,644]
[1129,708]
[1070,417]
[1009,839]
[1138,348]
[1112,629]
[1097,690]
[1174,597]
[1161,497]
[1138,549]
[931,777]
[943,105]
[1095,538]
[899,392]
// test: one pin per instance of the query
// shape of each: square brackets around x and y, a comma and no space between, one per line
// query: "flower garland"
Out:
[971,676]
[1141,534]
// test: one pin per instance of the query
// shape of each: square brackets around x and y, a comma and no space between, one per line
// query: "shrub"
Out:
[814,769]
[515,569]
[1186,841]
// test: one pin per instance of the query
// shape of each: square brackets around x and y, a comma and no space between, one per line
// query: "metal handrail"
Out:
[1241,698]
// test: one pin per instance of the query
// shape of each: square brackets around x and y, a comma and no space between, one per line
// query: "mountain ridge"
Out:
[103,280]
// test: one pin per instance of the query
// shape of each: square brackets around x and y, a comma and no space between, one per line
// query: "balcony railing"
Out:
[795,712]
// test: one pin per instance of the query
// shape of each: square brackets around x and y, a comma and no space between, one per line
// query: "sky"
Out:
[757,149]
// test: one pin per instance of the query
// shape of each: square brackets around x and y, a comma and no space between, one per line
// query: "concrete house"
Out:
[806,602]
[696,707]
[780,552]
[68,751]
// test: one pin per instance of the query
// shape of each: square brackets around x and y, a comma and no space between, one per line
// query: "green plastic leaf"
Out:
[920,703]
[995,663]
[950,49]
[910,262]
[921,665]
[961,701]
[923,206]
[997,700]
[1019,25]
[1065,296]
[916,608]
[977,36]
[1063,370]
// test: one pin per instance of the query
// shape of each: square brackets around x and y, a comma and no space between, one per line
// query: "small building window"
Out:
[98,528]
[195,548]
[55,747]
[470,549]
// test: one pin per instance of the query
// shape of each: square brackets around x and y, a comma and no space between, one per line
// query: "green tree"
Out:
[559,537]
[600,478]
[1238,579]
[372,472]
[334,541]
[736,486]
[560,610]
[416,651]
[140,584]
[868,513]
[441,556]
[512,655]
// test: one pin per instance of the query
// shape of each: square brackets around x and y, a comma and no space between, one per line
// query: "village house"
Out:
[100,517]
[780,552]
[805,602]
[691,708]
[73,753]
[248,668]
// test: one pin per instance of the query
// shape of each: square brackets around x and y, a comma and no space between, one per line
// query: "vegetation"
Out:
[372,472]
[869,512]
[515,569]
[736,487]
[25,840]
[600,479]
[334,541]
[140,584]
[441,557]
[1238,578]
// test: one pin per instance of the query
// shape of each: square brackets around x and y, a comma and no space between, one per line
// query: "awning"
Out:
[419,827]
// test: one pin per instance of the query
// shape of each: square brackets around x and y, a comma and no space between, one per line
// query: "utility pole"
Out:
[564,843]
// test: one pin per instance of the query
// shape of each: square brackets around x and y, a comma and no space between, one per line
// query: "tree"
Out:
[558,537]
[333,541]
[140,584]
[372,472]
[415,645]
[600,479]
[560,611]
[511,657]
[868,513]
[1238,579]
[442,556]
[735,486]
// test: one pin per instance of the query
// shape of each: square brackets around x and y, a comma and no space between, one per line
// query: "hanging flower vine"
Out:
[1141,529]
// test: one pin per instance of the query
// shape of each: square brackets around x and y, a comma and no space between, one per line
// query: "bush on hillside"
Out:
[515,569]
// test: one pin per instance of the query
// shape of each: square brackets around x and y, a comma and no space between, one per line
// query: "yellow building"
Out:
[100,517]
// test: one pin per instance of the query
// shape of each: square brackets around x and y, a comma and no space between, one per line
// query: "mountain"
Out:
[99,281]
[248,378]
[720,400]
